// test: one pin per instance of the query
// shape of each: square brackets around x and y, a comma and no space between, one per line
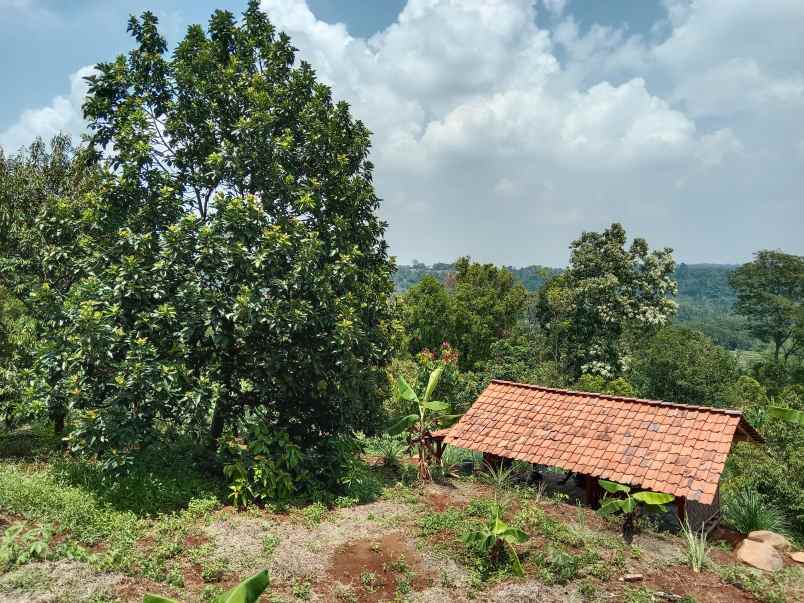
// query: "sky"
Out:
[505,128]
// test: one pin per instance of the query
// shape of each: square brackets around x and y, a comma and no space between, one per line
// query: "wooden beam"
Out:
[681,508]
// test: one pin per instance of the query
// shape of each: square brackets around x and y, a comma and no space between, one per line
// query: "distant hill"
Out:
[705,298]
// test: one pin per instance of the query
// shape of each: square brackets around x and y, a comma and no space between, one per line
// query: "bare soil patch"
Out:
[374,568]
[704,587]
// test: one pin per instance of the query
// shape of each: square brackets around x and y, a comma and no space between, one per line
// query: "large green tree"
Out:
[770,294]
[50,229]
[685,366]
[480,304]
[609,296]
[248,267]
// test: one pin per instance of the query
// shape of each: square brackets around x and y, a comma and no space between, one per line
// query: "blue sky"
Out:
[503,128]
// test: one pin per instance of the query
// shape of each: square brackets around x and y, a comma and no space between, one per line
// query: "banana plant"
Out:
[247,591]
[429,416]
[492,539]
[619,499]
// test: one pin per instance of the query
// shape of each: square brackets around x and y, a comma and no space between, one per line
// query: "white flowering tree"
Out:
[609,296]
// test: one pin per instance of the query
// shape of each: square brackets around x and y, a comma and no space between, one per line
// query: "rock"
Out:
[760,555]
[777,541]
[797,557]
[633,577]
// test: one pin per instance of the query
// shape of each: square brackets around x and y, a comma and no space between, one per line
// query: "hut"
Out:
[679,449]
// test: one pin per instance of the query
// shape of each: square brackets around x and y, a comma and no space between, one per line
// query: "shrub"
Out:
[746,511]
[265,466]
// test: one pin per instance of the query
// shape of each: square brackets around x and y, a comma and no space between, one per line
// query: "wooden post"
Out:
[592,493]
[681,509]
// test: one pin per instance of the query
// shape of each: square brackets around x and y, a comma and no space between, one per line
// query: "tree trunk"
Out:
[216,428]
[59,416]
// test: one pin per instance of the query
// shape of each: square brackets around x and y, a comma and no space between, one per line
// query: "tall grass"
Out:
[746,511]
[697,549]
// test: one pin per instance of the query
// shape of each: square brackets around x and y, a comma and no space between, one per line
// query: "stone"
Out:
[760,555]
[797,557]
[777,541]
[633,578]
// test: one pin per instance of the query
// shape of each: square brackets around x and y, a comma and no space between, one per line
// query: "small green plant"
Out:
[19,546]
[248,591]
[620,499]
[302,590]
[745,511]
[369,580]
[269,544]
[311,515]
[494,538]
[696,547]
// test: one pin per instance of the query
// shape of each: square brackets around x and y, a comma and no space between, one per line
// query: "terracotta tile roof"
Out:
[674,448]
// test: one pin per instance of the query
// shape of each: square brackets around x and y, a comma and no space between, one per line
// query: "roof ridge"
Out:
[724,411]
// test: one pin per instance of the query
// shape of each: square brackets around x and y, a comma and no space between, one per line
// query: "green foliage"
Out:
[248,591]
[619,499]
[480,305]
[18,546]
[746,511]
[679,365]
[41,498]
[235,257]
[599,384]
[429,416]
[432,523]
[266,467]
[696,547]
[770,294]
[608,296]
[494,538]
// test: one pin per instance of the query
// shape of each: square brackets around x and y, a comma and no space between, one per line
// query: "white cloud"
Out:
[63,114]
[473,112]
[498,138]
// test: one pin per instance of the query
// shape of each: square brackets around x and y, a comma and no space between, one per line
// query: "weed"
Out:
[344,502]
[38,496]
[403,586]
[535,519]
[369,580]
[768,588]
[213,570]
[18,546]
[302,590]
[311,515]
[483,508]
[638,595]
[269,544]
[440,521]
[344,592]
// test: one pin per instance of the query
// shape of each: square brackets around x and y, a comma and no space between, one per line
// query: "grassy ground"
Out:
[66,536]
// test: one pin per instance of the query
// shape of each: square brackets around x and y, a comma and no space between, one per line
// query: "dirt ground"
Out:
[377,552]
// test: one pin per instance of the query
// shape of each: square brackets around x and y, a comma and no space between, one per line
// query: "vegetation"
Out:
[430,415]
[619,499]
[248,591]
[200,350]
[494,538]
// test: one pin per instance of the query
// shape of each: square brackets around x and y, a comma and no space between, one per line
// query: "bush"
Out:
[746,512]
